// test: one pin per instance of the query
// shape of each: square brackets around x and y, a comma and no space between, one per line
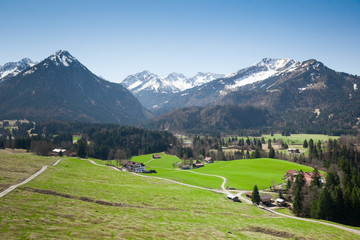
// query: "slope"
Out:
[78,200]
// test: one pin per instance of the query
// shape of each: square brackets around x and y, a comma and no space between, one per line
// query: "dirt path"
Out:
[23,182]
[224,191]
[28,179]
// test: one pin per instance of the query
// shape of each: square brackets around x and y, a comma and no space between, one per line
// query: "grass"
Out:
[298,139]
[244,174]
[137,208]
[75,139]
[16,166]
[241,174]
[165,168]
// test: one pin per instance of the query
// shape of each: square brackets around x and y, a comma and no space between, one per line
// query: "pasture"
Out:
[78,200]
[241,174]
[298,139]
[244,174]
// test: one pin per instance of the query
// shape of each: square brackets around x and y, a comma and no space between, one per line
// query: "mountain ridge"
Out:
[152,90]
[61,87]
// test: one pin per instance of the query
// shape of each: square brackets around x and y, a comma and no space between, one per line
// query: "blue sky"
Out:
[117,38]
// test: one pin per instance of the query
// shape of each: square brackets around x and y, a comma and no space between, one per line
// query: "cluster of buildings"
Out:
[291,175]
[137,167]
[198,163]
[133,166]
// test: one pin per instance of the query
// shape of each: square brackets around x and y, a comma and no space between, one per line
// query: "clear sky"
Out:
[118,38]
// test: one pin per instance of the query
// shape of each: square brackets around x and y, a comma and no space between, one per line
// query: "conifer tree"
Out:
[305,144]
[271,152]
[255,198]
[297,205]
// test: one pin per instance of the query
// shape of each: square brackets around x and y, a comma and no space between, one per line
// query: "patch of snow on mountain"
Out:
[355,87]
[263,70]
[11,69]
[62,57]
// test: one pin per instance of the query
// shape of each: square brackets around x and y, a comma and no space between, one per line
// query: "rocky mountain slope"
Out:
[60,87]
[213,91]
[295,94]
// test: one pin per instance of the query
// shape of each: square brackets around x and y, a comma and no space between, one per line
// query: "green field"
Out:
[164,167]
[78,200]
[298,139]
[244,174]
[241,174]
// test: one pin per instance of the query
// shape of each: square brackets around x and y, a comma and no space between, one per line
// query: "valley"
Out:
[180,120]
[80,200]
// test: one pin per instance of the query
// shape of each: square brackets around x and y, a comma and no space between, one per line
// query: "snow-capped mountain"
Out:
[153,90]
[282,92]
[11,69]
[212,91]
[266,68]
[172,83]
[60,87]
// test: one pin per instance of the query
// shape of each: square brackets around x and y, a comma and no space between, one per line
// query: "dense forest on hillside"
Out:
[339,199]
[211,120]
[103,141]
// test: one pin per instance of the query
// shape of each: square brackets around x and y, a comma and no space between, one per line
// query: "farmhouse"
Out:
[248,195]
[198,164]
[133,166]
[58,151]
[208,160]
[155,156]
[293,150]
[265,199]
[233,197]
[280,202]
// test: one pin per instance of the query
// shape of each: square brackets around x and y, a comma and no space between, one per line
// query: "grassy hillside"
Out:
[78,200]
[17,165]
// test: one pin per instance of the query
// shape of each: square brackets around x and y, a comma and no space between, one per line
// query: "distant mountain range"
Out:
[153,90]
[60,87]
[277,92]
[295,95]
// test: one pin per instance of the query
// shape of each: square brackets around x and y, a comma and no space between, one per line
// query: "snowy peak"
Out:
[11,69]
[63,58]
[201,78]
[146,81]
[266,68]
[132,82]
[276,64]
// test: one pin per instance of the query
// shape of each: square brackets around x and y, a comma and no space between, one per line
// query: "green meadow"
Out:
[165,168]
[79,200]
[298,139]
[241,174]
[244,174]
